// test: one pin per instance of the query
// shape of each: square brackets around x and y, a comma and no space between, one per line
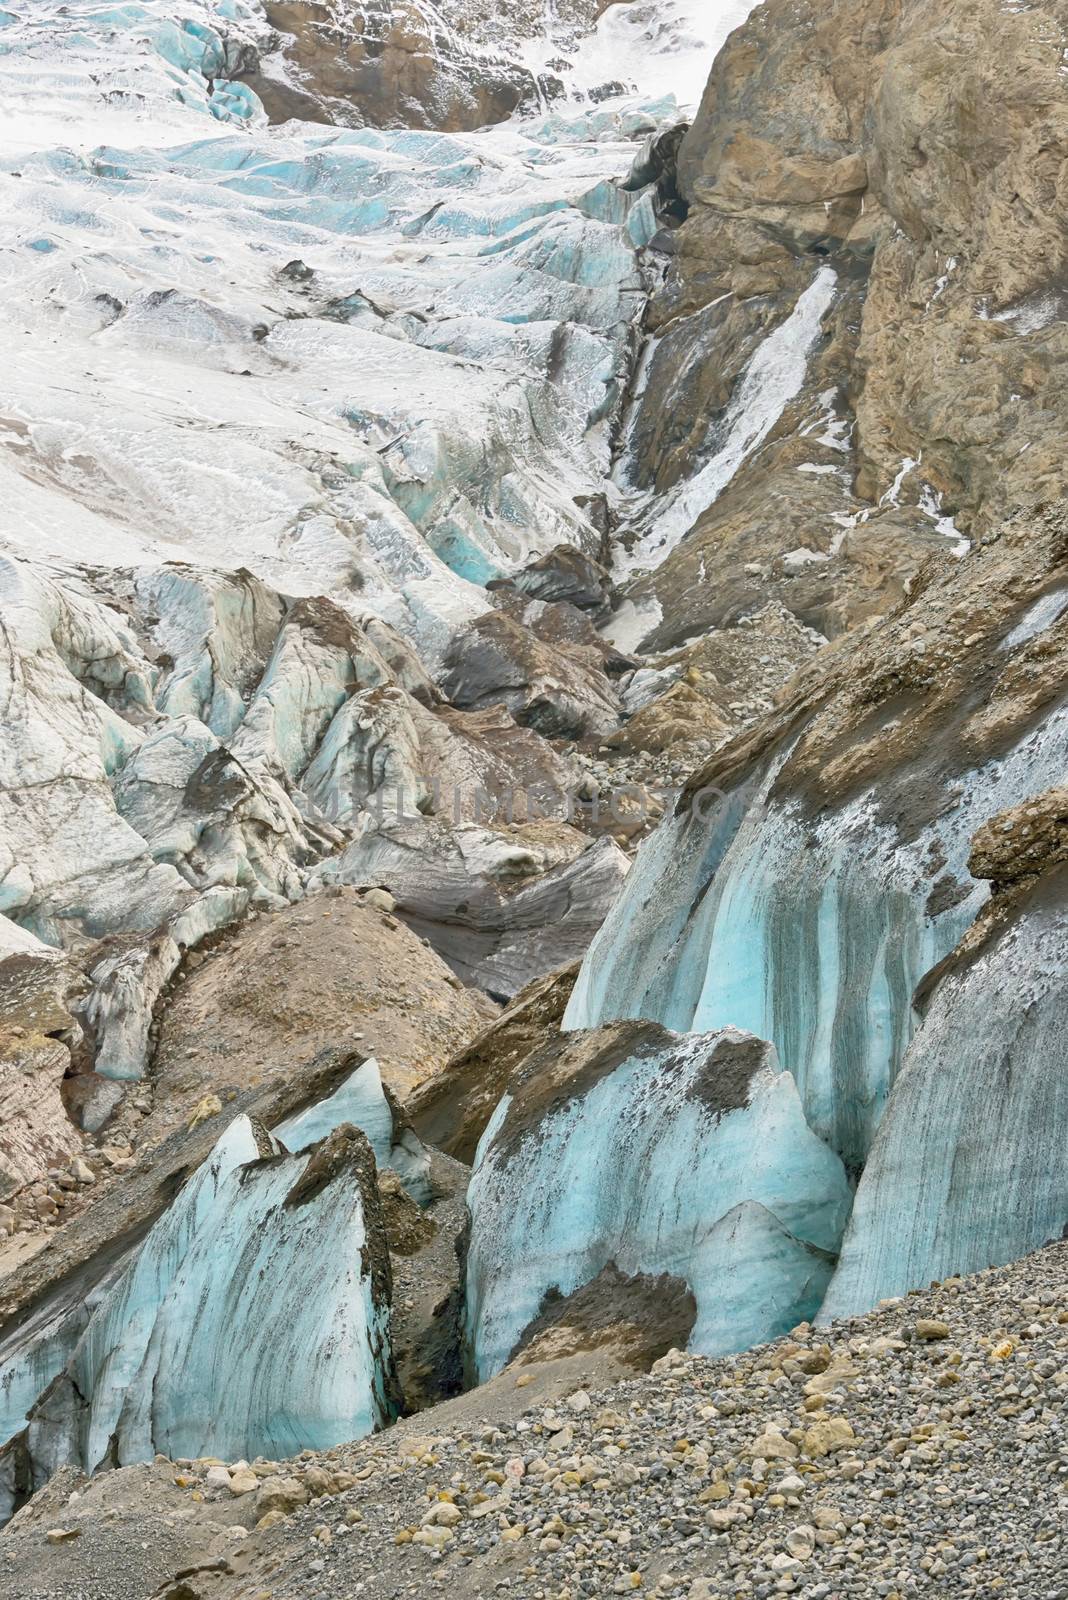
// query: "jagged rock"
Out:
[1029,839]
[552,689]
[391,65]
[657,1153]
[847,464]
[566,574]
[791,158]
[38,1034]
[426,1251]
[702,693]
[451,1110]
[676,717]
[500,908]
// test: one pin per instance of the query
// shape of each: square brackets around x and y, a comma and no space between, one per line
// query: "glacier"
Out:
[254,366]
[968,1166]
[363,1101]
[659,1153]
[810,931]
[282,408]
[123,1302]
[276,1261]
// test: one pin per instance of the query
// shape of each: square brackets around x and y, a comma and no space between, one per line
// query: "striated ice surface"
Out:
[247,1324]
[812,932]
[40,1348]
[363,1101]
[689,1156]
[968,1167]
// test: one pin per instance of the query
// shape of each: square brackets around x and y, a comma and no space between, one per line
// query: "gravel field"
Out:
[921,1450]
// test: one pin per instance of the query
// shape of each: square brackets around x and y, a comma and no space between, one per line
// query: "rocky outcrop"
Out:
[363,981]
[386,64]
[39,1038]
[555,689]
[636,1318]
[848,145]
[452,1110]
[500,906]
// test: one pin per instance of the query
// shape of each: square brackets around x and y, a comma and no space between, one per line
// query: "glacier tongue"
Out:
[661,1154]
[254,1319]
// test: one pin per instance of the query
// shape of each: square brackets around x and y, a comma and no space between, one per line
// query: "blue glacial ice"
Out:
[810,931]
[254,1319]
[363,1101]
[660,1153]
[39,1349]
[968,1167]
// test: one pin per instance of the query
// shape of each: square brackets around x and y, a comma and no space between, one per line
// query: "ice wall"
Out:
[254,1319]
[632,1145]
[811,931]
[968,1169]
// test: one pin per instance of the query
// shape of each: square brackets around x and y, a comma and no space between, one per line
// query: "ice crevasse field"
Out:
[384,367]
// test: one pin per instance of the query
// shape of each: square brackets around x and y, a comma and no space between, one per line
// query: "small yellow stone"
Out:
[721,1490]
[403,1537]
[1002,1351]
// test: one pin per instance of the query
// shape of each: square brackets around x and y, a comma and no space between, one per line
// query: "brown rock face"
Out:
[452,1110]
[36,1031]
[914,151]
[928,141]
[400,64]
